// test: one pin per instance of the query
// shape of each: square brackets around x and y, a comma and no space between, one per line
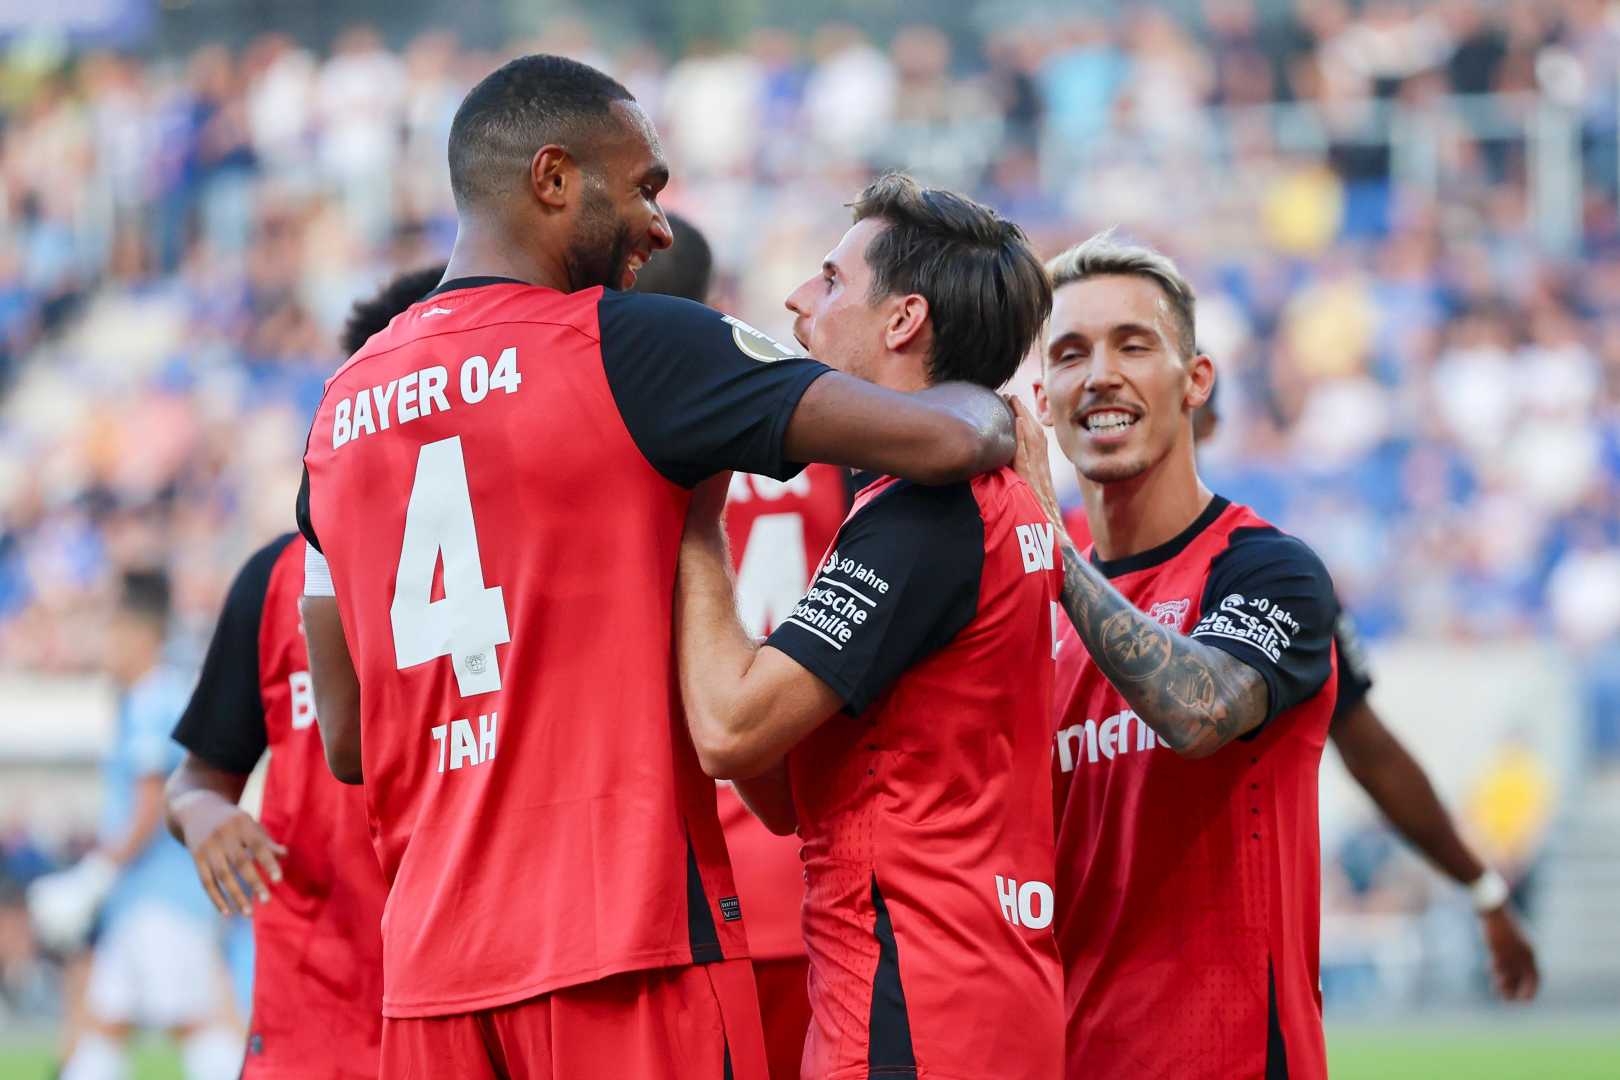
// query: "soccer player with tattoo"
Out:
[496,489]
[910,688]
[1397,783]
[304,871]
[1192,709]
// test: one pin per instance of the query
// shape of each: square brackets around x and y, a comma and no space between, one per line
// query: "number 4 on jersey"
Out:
[470,619]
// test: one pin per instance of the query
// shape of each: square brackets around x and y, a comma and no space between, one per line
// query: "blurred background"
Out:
[1401,218]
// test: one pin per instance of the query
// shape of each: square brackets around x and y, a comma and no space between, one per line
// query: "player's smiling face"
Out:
[1115,387]
[834,316]
[619,224]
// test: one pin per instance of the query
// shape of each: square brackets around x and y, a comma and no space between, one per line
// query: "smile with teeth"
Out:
[1109,420]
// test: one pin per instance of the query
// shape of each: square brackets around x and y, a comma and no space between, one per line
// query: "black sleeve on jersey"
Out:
[901,582]
[1355,674]
[700,392]
[305,524]
[224,721]
[1269,603]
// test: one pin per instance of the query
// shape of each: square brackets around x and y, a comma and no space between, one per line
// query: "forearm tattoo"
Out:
[1187,692]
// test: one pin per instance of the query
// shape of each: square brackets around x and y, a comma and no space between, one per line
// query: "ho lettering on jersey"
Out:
[1091,742]
[420,393]
[1257,622]
[1025,903]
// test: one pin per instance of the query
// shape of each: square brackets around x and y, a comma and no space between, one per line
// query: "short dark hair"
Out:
[686,269]
[144,593]
[986,290]
[373,314]
[518,108]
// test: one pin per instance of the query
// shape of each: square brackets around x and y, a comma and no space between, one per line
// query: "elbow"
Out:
[1196,750]
[724,759]
[727,755]
[964,450]
[344,762]
[779,826]
[1194,736]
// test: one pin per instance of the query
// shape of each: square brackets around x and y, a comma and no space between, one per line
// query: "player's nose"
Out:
[1103,371]
[796,301]
[660,233]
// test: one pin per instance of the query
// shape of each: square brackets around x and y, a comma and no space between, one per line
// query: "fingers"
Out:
[224,875]
[236,864]
[267,853]
[205,874]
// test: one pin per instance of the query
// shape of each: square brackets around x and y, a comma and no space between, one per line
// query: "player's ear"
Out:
[907,320]
[1200,381]
[1043,407]
[553,176]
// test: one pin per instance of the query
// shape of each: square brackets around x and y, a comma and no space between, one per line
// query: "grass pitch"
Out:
[1475,1050]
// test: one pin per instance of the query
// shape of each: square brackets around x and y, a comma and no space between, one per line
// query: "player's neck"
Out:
[482,250]
[1137,515]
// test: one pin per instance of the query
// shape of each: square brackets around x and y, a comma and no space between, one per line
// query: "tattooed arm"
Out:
[1197,696]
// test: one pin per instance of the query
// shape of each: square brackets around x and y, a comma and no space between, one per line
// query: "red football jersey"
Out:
[1189,890]
[499,482]
[317,978]
[778,532]
[925,808]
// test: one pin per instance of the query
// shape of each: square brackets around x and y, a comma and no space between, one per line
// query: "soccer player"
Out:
[156,963]
[1192,720]
[305,871]
[497,485]
[911,683]
[777,531]
[1386,770]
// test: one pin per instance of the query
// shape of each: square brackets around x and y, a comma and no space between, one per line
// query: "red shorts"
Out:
[688,1023]
[784,1005]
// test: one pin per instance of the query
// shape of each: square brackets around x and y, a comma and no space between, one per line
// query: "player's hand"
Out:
[1031,460]
[1513,958]
[230,849]
[63,905]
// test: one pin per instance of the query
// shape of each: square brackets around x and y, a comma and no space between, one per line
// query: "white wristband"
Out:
[1489,892]
[317,574]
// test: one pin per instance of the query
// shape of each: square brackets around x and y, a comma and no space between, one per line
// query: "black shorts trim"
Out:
[888,1040]
[700,930]
[1276,1051]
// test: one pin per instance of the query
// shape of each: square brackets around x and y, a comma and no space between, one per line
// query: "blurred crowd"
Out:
[1420,371]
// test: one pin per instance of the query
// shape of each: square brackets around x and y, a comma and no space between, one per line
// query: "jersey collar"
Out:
[1142,560]
[456,284]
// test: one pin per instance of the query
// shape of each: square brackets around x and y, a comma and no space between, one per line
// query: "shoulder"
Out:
[1256,544]
[281,549]
[903,503]
[633,310]
[674,319]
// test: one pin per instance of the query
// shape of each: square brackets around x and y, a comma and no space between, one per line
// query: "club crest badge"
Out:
[1171,613]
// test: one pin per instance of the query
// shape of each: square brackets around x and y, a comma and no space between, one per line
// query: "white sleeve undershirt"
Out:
[317,574]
